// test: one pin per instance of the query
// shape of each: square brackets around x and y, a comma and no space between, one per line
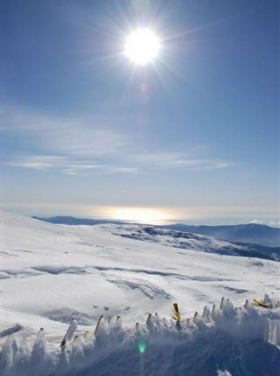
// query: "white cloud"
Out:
[176,160]
[88,169]
[78,136]
[38,162]
[86,145]
[84,169]
[67,165]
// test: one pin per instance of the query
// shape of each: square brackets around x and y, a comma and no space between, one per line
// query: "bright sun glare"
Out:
[139,215]
[142,46]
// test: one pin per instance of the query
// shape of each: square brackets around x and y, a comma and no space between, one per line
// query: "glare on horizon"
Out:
[154,215]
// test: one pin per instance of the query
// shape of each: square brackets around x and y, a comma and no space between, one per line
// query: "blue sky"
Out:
[192,136]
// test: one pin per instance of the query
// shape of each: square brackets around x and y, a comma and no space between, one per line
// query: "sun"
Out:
[142,46]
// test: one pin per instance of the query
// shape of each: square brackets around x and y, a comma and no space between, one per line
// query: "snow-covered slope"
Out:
[250,233]
[53,273]
[185,240]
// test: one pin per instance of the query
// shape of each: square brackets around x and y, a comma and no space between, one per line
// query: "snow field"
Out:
[51,274]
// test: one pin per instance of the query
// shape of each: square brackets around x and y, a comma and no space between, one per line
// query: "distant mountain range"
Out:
[245,233]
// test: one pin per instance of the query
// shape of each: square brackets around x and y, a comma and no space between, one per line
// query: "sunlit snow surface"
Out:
[53,273]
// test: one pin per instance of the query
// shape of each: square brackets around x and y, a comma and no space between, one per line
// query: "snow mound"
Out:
[224,341]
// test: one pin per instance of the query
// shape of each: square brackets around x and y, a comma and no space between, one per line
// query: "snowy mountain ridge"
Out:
[203,243]
[251,233]
[173,236]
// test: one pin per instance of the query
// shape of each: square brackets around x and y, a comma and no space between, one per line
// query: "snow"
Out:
[52,274]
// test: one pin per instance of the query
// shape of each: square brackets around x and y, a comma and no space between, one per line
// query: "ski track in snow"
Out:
[51,274]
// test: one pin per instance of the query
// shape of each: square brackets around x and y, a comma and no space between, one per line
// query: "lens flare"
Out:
[142,345]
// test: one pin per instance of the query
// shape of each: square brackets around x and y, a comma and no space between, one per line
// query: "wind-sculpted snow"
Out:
[227,341]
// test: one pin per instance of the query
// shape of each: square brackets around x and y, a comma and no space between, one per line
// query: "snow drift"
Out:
[228,340]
